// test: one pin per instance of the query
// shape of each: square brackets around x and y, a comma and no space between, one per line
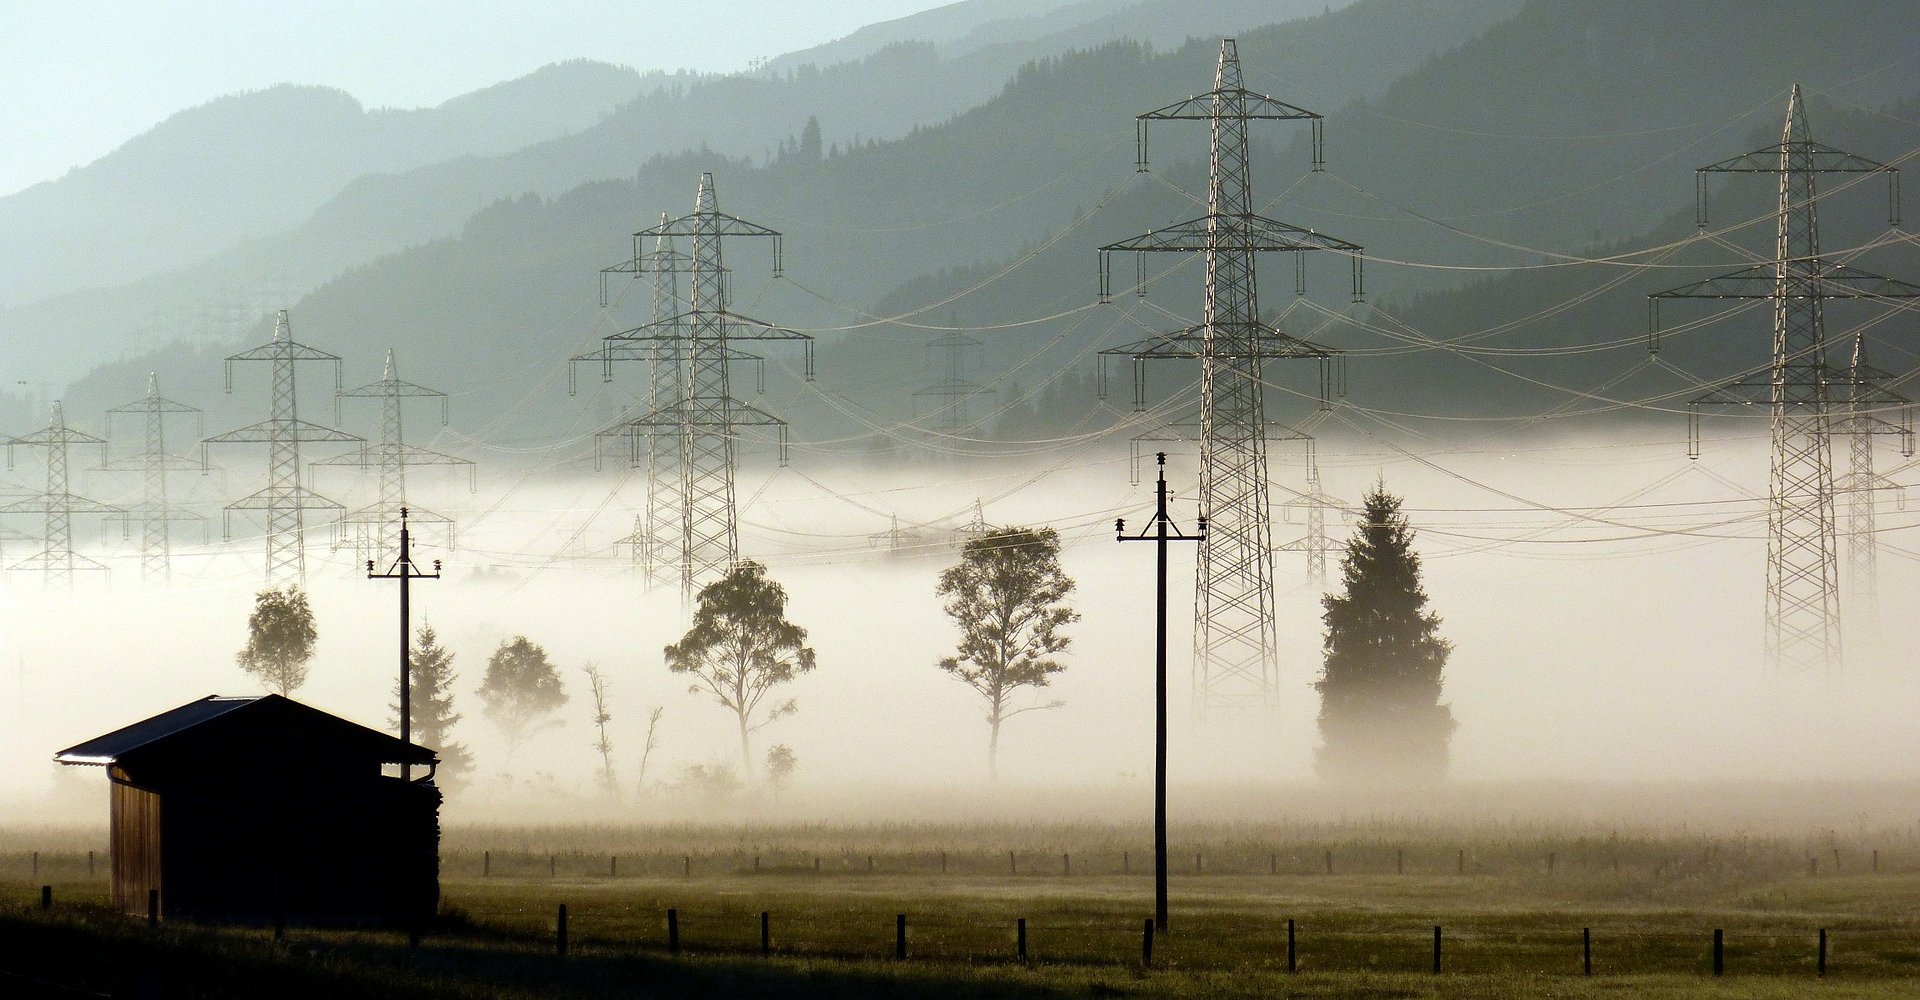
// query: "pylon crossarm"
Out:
[58,560]
[1247,105]
[1803,155]
[759,329]
[155,405]
[271,430]
[391,387]
[1825,281]
[1190,344]
[706,224]
[283,351]
[297,497]
[1254,233]
[378,515]
[46,502]
[373,455]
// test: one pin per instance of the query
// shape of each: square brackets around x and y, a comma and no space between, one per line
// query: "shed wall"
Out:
[134,845]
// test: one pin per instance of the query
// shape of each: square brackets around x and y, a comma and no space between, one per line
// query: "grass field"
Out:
[1512,902]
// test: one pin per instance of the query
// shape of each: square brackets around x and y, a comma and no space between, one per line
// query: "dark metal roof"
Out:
[114,746]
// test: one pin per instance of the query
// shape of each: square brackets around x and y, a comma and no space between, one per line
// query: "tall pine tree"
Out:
[1381,719]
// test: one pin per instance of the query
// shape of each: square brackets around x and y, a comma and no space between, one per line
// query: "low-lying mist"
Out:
[1607,664]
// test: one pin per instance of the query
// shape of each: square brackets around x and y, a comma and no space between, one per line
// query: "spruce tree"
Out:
[1381,719]
[431,702]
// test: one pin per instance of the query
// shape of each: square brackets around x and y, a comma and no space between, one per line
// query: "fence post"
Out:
[766,935]
[1463,862]
[1586,951]
[1146,944]
[1876,862]
[553,868]
[1273,864]
[1719,953]
[1020,936]
[613,866]
[900,937]
[486,863]
[1066,863]
[687,871]
[1821,967]
[1292,955]
[1013,863]
[560,932]
[36,864]
[1329,862]
[756,862]
[1199,863]
[46,899]
[1126,862]
[1436,949]
[869,864]
[943,862]
[673,931]
[1550,860]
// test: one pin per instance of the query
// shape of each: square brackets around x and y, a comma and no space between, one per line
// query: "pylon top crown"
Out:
[153,383]
[282,329]
[59,419]
[1228,76]
[707,201]
[391,372]
[1796,117]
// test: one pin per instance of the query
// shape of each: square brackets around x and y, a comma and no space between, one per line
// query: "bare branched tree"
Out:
[652,744]
[597,687]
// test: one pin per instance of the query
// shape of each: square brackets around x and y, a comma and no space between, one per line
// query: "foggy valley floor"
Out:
[1512,897]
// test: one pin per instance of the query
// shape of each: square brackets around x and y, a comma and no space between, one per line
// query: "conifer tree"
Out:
[431,704]
[1381,719]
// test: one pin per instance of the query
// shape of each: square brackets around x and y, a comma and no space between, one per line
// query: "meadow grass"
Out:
[1512,927]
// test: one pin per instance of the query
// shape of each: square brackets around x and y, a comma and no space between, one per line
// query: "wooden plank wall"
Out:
[134,846]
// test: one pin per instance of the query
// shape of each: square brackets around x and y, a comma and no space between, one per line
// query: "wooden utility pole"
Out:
[1160,530]
[405,571]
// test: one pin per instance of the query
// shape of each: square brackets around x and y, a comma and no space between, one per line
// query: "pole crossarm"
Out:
[48,503]
[282,430]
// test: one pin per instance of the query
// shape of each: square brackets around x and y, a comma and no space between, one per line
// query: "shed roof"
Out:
[217,710]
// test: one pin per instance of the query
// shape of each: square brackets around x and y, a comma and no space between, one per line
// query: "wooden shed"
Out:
[261,809]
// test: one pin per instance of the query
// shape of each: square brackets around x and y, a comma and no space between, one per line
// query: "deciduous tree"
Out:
[521,686]
[280,637]
[1008,596]
[741,647]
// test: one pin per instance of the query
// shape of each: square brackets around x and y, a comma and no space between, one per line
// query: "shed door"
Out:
[135,845]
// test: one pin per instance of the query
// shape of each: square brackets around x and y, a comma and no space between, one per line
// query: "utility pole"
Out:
[406,572]
[373,526]
[1163,531]
[706,418]
[58,504]
[1235,642]
[284,500]
[1797,388]
[153,462]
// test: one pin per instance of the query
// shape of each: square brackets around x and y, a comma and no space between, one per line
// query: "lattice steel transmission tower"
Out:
[705,418]
[153,461]
[960,354]
[1801,390]
[58,504]
[1868,397]
[1235,645]
[1313,506]
[374,531]
[284,500]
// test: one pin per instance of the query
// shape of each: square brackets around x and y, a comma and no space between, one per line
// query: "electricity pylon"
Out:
[57,560]
[1313,505]
[375,529]
[706,418]
[284,500]
[1235,644]
[1861,484]
[960,354]
[1799,387]
[155,513]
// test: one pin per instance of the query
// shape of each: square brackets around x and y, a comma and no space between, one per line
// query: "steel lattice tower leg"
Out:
[1863,570]
[1235,643]
[712,530]
[665,534]
[57,561]
[1803,602]
[156,543]
[1317,542]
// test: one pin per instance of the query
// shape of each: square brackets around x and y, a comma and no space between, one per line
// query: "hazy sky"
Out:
[79,77]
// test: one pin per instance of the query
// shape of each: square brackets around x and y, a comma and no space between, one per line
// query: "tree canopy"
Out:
[1381,719]
[741,647]
[521,686]
[1008,596]
[280,637]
